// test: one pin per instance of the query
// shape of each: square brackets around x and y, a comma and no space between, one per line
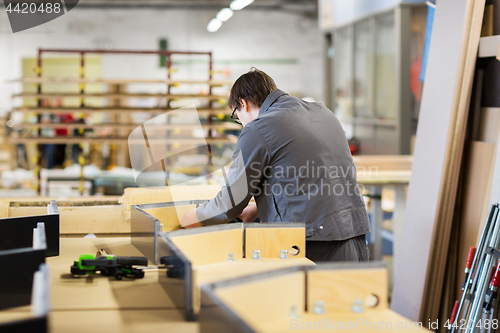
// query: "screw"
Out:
[319,307]
[256,254]
[293,312]
[283,254]
[357,306]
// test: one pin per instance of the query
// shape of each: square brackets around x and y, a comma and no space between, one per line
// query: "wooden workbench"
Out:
[375,173]
[102,304]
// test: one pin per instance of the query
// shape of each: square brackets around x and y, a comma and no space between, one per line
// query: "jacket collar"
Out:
[270,99]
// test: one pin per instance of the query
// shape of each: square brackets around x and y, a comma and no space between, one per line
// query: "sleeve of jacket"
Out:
[249,161]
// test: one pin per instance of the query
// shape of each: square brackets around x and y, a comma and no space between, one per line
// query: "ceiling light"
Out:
[214,25]
[239,4]
[224,14]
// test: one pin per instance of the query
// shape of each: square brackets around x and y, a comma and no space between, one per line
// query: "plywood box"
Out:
[315,298]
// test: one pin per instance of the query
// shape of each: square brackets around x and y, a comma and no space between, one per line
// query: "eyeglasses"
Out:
[235,118]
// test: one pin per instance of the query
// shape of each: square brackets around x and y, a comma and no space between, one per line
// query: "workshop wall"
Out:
[286,46]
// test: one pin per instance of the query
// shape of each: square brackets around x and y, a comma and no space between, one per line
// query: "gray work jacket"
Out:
[295,161]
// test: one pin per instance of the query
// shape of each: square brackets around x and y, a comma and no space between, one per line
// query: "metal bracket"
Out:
[492,251]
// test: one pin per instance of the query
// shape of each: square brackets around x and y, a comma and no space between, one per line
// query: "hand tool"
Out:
[109,265]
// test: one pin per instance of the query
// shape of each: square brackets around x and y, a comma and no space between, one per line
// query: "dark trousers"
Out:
[352,249]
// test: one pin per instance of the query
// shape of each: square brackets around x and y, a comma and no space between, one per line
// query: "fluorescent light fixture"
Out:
[224,14]
[214,25]
[239,4]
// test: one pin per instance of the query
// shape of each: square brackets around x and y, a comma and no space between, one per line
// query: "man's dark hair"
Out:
[253,87]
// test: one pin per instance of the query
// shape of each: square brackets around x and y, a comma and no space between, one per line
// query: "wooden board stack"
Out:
[452,172]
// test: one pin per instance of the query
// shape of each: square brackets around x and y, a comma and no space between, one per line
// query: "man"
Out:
[292,156]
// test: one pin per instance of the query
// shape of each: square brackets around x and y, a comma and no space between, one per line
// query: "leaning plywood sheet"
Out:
[493,191]
[438,147]
[478,167]
[453,160]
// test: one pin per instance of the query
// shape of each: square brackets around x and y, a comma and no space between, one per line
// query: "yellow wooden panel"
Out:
[264,300]
[230,270]
[64,67]
[339,288]
[83,219]
[130,321]
[369,321]
[270,241]
[4,208]
[137,196]
[17,313]
[211,247]
[169,217]
[205,274]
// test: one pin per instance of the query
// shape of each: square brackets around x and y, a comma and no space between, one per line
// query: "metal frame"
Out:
[144,225]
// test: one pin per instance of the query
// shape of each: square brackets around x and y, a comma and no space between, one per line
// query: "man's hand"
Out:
[249,214]
[190,220]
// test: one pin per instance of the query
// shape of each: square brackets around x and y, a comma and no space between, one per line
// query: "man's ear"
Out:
[245,106]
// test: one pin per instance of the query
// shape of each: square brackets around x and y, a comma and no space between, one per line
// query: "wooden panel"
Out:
[437,156]
[368,321]
[265,300]
[14,314]
[224,125]
[242,267]
[338,289]
[115,81]
[211,247]
[83,220]
[75,140]
[4,208]
[383,162]
[449,182]
[169,217]
[476,182]
[383,169]
[205,274]
[116,96]
[131,321]
[493,190]
[270,241]
[213,111]
[100,292]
